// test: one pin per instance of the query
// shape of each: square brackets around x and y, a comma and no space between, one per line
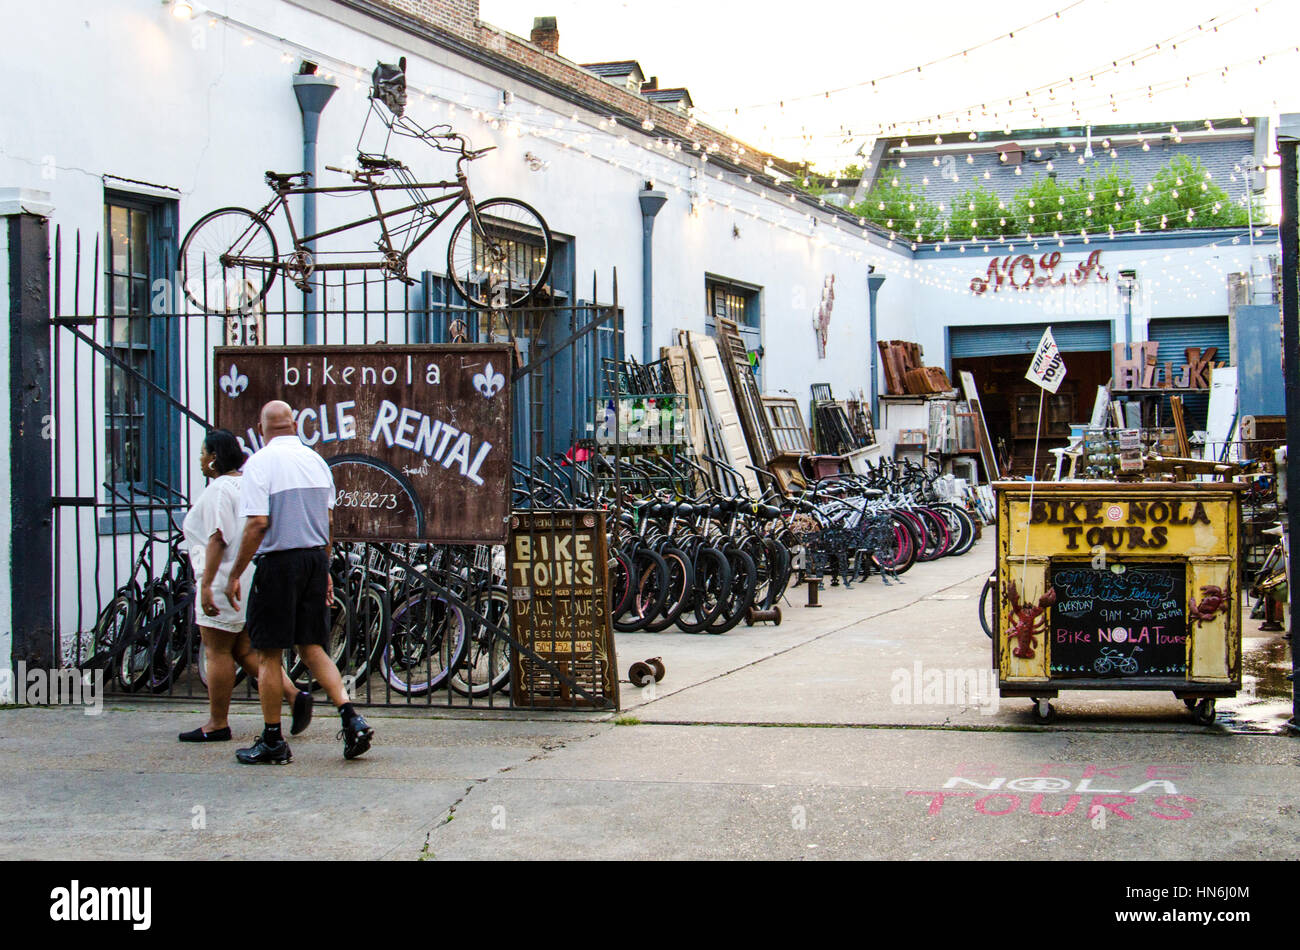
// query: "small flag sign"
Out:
[1047,368]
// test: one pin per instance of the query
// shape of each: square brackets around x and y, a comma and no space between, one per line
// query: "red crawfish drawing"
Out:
[1214,601]
[1027,622]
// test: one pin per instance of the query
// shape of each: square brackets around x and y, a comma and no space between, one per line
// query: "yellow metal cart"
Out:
[1112,586]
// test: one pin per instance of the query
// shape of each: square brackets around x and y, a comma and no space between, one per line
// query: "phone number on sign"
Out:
[366,499]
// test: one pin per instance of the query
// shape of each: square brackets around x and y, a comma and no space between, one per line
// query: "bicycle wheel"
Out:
[961,525]
[487,661]
[900,552]
[681,581]
[137,668]
[228,261]
[500,253]
[987,620]
[712,588]
[367,635]
[744,578]
[112,630]
[427,640]
[622,583]
[651,591]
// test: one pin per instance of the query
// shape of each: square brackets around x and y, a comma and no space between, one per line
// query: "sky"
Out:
[761,71]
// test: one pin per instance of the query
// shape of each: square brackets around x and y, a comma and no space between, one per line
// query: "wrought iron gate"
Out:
[132,385]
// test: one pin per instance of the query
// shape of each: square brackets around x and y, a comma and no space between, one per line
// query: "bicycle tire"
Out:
[744,578]
[622,582]
[987,601]
[371,618]
[137,665]
[487,659]
[650,592]
[418,661]
[112,630]
[681,581]
[712,587]
[509,219]
[195,260]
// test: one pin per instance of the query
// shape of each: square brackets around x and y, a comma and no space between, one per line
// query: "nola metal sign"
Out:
[418,437]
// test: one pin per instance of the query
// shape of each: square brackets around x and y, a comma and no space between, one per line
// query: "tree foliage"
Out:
[1181,195]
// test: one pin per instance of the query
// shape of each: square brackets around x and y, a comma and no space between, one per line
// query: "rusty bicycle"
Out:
[498,255]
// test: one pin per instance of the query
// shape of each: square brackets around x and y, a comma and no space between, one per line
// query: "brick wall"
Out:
[454,16]
[460,18]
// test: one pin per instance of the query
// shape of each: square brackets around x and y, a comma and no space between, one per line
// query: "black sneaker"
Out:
[302,704]
[261,753]
[356,735]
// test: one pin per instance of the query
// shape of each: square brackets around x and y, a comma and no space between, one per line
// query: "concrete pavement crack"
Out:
[821,636]
[549,746]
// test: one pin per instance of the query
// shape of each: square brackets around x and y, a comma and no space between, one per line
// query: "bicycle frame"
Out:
[459,193]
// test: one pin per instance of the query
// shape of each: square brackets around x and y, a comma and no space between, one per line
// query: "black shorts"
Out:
[286,607]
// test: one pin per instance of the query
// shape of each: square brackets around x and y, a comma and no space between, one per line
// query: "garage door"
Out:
[1176,335]
[1092,336]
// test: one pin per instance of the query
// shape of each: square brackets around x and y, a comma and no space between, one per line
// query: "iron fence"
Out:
[132,398]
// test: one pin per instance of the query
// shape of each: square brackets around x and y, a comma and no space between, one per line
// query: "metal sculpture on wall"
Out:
[822,319]
[499,253]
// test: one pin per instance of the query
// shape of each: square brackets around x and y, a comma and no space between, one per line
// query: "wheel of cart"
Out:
[1202,709]
[1043,709]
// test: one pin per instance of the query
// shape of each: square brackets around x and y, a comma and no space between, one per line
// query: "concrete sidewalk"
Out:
[779,742]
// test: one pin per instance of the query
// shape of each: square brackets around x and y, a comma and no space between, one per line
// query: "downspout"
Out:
[312,92]
[651,202]
[874,281]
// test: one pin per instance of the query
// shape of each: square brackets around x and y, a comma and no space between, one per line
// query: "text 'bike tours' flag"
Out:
[1047,369]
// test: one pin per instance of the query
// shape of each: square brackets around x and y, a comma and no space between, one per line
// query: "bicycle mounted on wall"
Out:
[498,255]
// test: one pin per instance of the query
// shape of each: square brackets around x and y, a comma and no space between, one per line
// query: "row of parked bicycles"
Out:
[689,548]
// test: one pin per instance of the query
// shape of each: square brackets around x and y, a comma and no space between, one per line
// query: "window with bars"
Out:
[140,449]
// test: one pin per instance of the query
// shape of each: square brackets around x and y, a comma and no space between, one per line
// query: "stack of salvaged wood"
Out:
[904,373]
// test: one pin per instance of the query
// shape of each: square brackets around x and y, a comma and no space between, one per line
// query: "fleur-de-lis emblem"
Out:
[489,382]
[233,383]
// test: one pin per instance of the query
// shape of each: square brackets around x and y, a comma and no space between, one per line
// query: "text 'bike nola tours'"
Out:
[418,437]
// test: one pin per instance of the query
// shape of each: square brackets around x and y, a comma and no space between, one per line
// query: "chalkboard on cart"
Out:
[1126,620]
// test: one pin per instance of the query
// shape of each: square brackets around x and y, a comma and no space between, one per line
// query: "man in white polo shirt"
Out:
[288,498]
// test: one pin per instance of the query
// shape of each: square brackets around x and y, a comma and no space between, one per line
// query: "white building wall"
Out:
[1171,282]
[201,111]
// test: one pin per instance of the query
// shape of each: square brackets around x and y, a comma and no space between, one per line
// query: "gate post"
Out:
[26,544]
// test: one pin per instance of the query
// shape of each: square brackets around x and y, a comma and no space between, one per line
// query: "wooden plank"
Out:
[722,406]
[744,387]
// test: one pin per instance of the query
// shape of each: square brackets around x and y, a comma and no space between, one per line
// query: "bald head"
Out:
[277,420]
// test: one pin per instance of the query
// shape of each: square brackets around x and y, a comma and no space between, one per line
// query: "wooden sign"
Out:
[1142,370]
[1027,272]
[557,573]
[418,437]
[1127,620]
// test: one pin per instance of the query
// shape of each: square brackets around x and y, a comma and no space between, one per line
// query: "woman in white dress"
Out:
[213,531]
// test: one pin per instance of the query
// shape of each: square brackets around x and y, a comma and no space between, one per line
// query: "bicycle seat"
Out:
[378,161]
[285,178]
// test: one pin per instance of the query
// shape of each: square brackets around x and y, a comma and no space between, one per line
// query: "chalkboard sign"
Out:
[1119,623]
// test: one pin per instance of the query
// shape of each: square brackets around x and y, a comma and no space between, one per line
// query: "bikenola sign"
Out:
[418,437]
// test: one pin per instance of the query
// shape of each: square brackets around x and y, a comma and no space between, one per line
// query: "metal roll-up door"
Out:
[1091,336]
[1175,335]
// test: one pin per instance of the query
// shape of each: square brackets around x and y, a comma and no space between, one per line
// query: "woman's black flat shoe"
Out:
[198,735]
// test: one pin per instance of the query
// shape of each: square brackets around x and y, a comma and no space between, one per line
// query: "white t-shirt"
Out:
[217,509]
